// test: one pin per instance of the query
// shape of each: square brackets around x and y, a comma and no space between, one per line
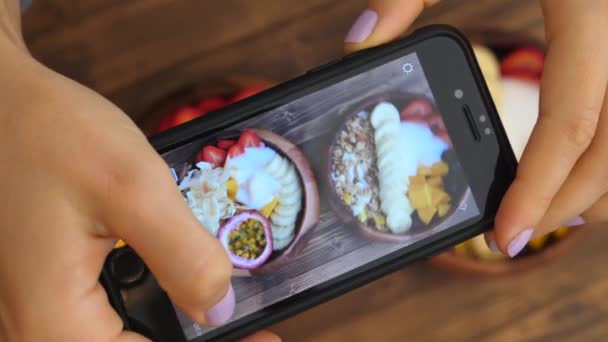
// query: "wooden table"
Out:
[136,52]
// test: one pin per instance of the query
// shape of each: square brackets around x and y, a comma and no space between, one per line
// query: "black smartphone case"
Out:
[314,79]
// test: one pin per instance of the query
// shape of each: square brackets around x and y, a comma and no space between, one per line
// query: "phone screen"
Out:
[326,184]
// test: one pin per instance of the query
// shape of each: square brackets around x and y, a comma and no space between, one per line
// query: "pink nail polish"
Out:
[222,311]
[493,246]
[519,242]
[363,27]
[575,222]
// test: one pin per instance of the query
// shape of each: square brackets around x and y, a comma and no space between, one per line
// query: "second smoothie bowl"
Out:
[393,171]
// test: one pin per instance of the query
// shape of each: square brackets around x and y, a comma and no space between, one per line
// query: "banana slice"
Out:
[279,244]
[273,165]
[282,232]
[284,169]
[285,214]
[288,190]
[291,177]
[295,199]
[393,187]
[282,220]
[276,166]
[287,210]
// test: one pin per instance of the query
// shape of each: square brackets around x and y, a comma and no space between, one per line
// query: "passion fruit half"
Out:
[247,238]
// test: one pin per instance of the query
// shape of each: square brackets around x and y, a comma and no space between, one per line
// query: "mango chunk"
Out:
[417,179]
[438,196]
[379,220]
[233,187]
[435,181]
[424,171]
[419,198]
[443,209]
[426,191]
[269,208]
[426,214]
[440,169]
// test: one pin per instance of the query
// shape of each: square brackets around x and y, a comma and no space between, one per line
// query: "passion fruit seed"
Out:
[248,240]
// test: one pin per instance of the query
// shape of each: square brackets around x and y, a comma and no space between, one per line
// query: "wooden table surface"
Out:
[137,52]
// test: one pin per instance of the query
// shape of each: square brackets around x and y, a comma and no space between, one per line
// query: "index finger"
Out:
[572,91]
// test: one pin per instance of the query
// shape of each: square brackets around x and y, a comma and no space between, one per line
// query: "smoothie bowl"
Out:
[256,193]
[393,171]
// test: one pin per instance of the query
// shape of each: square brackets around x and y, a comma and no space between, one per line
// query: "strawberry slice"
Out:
[418,107]
[250,139]
[235,151]
[213,155]
[210,104]
[526,60]
[247,92]
[225,144]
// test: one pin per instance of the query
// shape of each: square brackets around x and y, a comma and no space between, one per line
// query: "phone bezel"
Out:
[448,63]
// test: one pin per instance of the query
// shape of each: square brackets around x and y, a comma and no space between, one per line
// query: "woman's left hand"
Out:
[562,176]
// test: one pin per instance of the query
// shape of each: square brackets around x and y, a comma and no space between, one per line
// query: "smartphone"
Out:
[331,180]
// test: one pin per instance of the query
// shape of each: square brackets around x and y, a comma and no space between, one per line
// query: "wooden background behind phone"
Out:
[136,52]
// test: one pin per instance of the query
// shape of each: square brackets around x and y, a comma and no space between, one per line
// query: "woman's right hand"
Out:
[76,174]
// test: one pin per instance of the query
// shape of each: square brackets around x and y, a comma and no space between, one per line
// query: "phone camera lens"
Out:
[458,93]
[482,118]
[487,131]
[126,267]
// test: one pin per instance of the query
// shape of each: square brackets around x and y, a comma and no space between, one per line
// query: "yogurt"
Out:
[421,147]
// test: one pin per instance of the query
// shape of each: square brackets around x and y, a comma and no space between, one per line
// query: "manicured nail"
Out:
[519,242]
[577,221]
[493,246]
[363,27]
[222,311]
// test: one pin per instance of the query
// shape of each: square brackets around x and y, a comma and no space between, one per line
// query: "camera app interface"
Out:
[325,184]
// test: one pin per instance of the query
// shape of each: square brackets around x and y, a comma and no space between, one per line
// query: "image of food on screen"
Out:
[393,167]
[246,190]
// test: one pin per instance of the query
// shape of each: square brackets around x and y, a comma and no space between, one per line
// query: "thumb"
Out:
[144,207]
[383,21]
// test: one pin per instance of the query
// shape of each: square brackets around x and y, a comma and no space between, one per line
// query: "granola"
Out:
[354,173]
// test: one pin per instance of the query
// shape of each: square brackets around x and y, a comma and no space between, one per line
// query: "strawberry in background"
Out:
[210,104]
[525,63]
[247,92]
[189,112]
[183,114]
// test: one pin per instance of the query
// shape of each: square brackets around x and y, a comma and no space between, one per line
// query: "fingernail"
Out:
[222,311]
[519,242]
[493,246]
[577,221]
[363,27]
